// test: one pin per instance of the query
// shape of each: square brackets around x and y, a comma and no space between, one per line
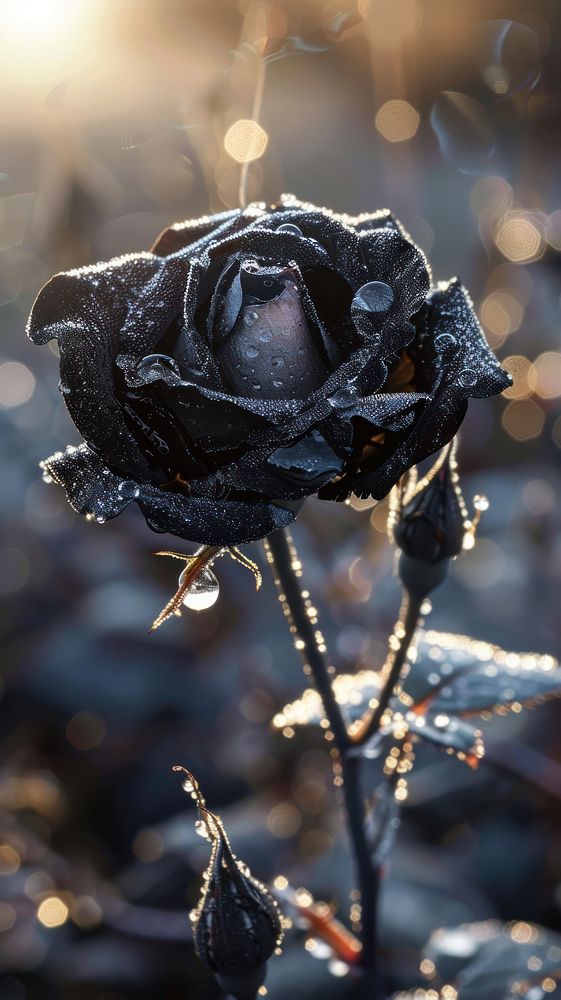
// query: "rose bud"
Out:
[430,526]
[237,922]
[253,359]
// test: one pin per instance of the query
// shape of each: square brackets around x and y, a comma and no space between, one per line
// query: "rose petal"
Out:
[271,245]
[92,311]
[454,350]
[396,262]
[192,232]
[93,489]
[330,232]
[458,367]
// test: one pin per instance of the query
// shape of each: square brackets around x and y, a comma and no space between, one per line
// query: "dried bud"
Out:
[237,922]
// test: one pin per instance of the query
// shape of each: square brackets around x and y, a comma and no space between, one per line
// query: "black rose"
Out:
[255,358]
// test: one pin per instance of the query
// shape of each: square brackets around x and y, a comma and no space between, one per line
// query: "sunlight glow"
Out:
[25,16]
[41,40]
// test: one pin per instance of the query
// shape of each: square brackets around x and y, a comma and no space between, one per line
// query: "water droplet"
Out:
[188,786]
[480,503]
[278,383]
[444,341]
[250,317]
[100,519]
[155,365]
[129,489]
[203,592]
[46,478]
[288,227]
[265,336]
[64,389]
[467,377]
[256,385]
[375,296]
[277,361]
[201,828]
[251,351]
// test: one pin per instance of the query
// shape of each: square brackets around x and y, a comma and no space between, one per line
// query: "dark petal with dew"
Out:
[193,232]
[452,347]
[383,315]
[311,460]
[212,522]
[91,311]
[367,221]
[92,489]
[380,219]
[272,246]
[329,232]
[333,417]
[452,362]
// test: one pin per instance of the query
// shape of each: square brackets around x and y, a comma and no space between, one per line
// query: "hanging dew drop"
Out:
[481,503]
[203,593]
[188,786]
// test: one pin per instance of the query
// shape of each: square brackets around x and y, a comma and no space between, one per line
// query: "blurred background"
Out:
[117,118]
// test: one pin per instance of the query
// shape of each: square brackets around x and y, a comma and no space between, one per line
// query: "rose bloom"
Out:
[255,358]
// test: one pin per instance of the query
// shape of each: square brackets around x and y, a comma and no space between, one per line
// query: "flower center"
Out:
[270,351]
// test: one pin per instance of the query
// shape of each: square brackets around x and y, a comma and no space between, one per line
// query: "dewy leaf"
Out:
[451,676]
[487,960]
[458,675]
[450,733]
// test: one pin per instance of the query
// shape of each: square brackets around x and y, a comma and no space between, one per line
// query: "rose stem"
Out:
[302,617]
[406,627]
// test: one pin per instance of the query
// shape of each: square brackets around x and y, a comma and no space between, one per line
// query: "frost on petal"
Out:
[98,492]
